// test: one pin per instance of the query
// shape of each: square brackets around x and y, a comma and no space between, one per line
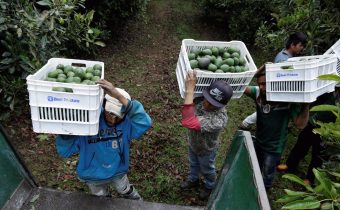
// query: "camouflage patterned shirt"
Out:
[212,123]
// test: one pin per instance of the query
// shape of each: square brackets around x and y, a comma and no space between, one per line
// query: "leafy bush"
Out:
[326,193]
[116,12]
[244,17]
[30,35]
[318,19]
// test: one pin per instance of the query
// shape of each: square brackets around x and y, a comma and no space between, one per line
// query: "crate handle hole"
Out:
[248,60]
[79,64]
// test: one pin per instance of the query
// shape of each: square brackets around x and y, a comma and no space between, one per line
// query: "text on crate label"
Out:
[52,98]
[287,74]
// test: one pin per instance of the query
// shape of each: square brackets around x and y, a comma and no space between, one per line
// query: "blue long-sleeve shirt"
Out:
[106,155]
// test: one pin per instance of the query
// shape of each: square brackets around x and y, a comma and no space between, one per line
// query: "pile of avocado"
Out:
[218,60]
[77,75]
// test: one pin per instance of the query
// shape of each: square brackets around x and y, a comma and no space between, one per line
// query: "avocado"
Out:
[230,61]
[242,61]
[224,67]
[97,66]
[212,67]
[203,62]
[235,55]
[60,66]
[53,74]
[192,56]
[193,64]
[226,55]
[219,71]
[236,61]
[207,52]
[68,69]
[215,51]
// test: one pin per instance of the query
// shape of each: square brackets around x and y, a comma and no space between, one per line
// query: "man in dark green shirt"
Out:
[272,126]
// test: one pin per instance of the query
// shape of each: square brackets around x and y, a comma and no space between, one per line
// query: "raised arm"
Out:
[139,119]
[112,91]
[189,120]
[247,91]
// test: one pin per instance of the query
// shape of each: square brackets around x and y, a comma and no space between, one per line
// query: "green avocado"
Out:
[53,74]
[191,56]
[212,67]
[203,62]
[97,66]
[193,64]
[219,71]
[207,52]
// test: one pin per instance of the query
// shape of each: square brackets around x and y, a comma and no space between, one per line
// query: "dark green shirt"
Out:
[272,123]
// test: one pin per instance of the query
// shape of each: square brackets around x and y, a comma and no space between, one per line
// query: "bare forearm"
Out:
[123,100]
[189,97]
[302,119]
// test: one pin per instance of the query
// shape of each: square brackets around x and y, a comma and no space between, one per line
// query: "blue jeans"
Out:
[267,162]
[204,165]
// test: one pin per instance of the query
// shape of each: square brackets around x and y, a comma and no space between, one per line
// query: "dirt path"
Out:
[141,58]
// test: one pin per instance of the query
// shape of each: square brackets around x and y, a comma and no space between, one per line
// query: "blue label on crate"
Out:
[287,75]
[53,99]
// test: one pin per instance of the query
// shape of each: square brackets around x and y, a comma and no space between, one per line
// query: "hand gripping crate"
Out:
[296,79]
[335,49]
[238,81]
[54,112]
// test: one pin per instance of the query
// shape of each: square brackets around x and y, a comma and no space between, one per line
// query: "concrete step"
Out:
[51,199]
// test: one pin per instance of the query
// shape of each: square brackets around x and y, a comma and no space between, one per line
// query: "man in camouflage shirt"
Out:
[204,119]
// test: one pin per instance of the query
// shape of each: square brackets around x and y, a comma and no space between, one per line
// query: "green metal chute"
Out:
[240,184]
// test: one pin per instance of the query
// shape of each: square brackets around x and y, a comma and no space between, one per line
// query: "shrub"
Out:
[30,35]
[318,19]
[244,17]
[116,12]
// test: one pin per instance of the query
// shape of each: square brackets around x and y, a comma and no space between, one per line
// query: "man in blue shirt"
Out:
[295,44]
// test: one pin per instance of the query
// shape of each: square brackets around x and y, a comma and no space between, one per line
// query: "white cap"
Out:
[113,105]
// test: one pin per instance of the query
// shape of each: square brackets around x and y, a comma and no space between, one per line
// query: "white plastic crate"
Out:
[335,49]
[54,112]
[296,79]
[238,81]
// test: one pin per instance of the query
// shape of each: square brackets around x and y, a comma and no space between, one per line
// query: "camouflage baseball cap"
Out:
[218,93]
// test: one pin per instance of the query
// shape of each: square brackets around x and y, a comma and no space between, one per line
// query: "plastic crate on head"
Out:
[238,81]
[335,49]
[296,79]
[71,113]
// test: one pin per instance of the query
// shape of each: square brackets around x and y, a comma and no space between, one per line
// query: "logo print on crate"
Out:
[287,74]
[52,98]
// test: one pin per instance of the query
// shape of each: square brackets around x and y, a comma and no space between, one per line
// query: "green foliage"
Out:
[330,132]
[325,193]
[318,19]
[118,11]
[244,17]
[30,34]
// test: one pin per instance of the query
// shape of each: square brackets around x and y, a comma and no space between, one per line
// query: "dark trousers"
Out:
[267,162]
[306,140]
